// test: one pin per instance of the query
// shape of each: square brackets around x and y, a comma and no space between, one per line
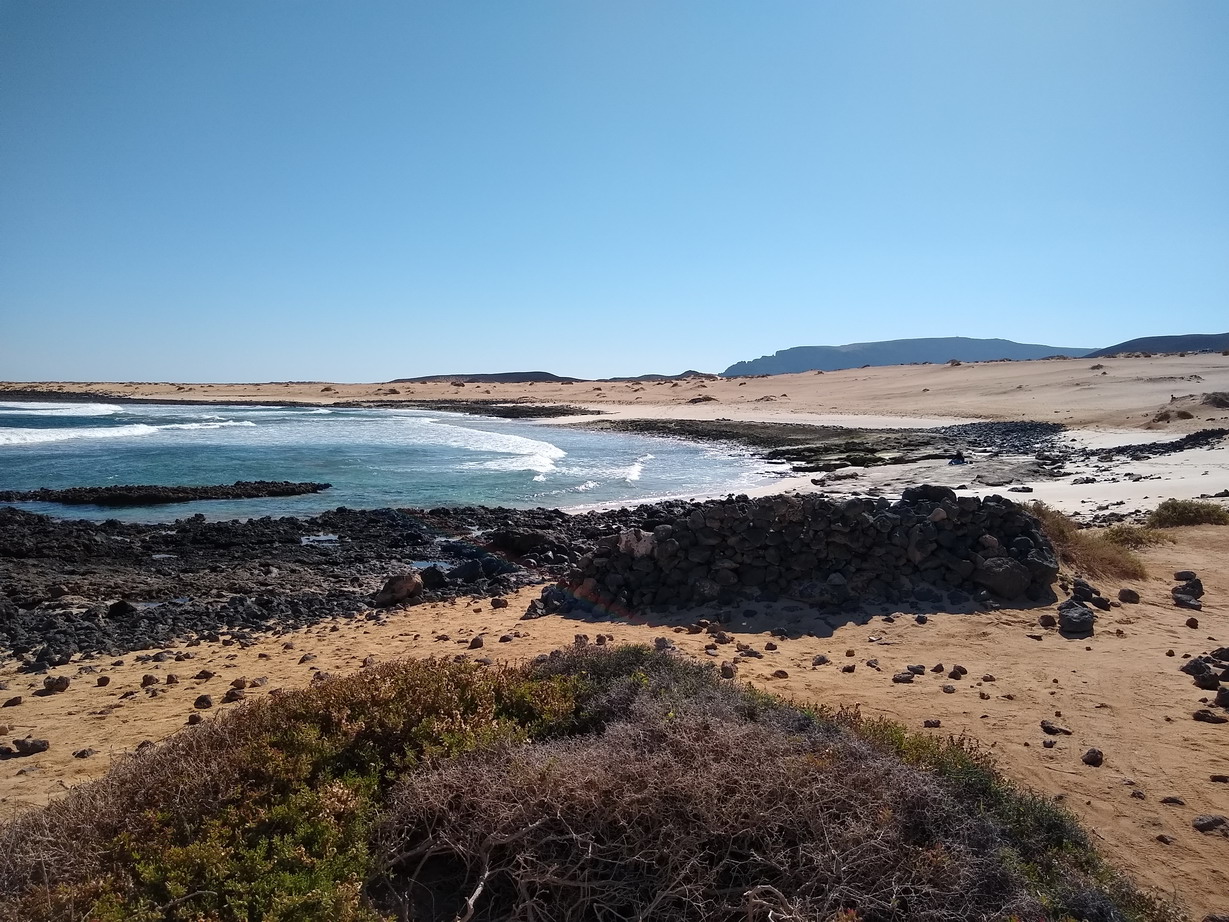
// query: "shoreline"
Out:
[851,459]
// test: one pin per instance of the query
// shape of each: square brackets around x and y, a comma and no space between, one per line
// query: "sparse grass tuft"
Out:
[1134,537]
[1175,512]
[1086,551]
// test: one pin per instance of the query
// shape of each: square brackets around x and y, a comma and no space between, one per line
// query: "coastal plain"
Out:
[1119,691]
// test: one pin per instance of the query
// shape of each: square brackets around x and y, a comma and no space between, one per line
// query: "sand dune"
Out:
[1121,393]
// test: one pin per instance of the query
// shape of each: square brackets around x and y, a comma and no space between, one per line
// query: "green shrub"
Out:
[621,783]
[1175,512]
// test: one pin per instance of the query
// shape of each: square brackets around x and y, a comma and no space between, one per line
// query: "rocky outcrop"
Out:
[146,495]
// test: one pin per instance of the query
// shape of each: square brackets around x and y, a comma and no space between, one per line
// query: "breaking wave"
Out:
[40,436]
[22,408]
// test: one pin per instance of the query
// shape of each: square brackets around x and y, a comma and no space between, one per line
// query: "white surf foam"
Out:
[522,454]
[24,408]
[134,430]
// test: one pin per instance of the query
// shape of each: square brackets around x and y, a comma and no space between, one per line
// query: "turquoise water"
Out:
[373,458]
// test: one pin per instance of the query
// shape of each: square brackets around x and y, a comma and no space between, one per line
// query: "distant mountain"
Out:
[1192,342]
[690,373]
[894,352]
[503,377]
[527,377]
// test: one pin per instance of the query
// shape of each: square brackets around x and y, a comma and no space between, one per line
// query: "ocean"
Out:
[372,457]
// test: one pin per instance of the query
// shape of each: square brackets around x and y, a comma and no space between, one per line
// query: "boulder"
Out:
[1075,620]
[30,746]
[1005,577]
[54,684]
[398,588]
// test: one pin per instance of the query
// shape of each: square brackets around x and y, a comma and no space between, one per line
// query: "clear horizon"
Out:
[311,191]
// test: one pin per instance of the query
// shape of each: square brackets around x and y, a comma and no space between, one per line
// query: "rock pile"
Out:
[929,546]
[1189,590]
[1210,671]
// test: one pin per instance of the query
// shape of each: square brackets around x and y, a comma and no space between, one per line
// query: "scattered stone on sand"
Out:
[55,684]
[30,746]
[1211,822]
[202,702]
[84,753]
[1093,757]
[1054,729]
[1074,619]
[1130,596]
[1211,717]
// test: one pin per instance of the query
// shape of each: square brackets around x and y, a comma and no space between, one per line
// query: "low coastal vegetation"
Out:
[1173,513]
[1090,552]
[591,784]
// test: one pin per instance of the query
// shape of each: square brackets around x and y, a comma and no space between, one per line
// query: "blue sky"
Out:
[249,191]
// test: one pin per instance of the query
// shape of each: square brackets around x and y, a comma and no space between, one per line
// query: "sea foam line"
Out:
[42,436]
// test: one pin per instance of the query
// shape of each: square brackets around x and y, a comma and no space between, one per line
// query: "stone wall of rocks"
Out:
[930,546]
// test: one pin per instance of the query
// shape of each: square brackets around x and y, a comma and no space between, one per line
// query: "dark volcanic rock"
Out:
[1003,576]
[143,495]
[1074,619]
[232,581]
